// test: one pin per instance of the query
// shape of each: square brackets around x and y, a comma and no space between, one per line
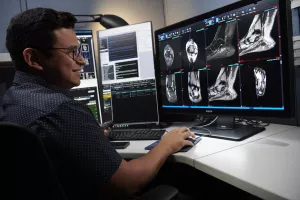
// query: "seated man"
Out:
[47,57]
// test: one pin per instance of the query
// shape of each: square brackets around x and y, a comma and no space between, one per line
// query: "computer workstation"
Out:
[227,63]
[263,164]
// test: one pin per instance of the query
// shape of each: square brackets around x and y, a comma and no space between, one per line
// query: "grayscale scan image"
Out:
[194,88]
[260,81]
[191,50]
[223,89]
[108,73]
[258,38]
[171,88]
[221,46]
[169,56]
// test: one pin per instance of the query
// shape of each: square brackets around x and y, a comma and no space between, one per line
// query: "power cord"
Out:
[209,123]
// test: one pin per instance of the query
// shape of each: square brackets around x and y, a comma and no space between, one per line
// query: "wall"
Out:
[8,9]
[133,11]
[178,10]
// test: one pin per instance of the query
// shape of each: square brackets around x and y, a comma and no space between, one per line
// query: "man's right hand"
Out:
[176,139]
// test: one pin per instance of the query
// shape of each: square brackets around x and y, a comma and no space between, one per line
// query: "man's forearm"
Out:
[145,168]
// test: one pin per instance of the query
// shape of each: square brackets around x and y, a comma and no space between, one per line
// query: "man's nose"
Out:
[81,60]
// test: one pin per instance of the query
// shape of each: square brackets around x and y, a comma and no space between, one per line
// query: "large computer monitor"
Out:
[87,92]
[234,61]
[128,78]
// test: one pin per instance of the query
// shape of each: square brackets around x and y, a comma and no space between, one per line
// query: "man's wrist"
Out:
[164,148]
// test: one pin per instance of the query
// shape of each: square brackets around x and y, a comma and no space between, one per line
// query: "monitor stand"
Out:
[225,128]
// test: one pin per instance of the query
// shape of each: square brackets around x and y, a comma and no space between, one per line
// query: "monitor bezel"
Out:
[287,58]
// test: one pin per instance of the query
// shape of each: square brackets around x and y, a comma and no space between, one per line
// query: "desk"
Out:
[268,168]
[205,147]
[258,175]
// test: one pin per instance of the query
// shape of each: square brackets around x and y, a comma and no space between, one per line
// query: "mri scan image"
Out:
[222,45]
[223,88]
[260,81]
[258,38]
[171,88]
[194,88]
[108,73]
[84,47]
[169,55]
[191,50]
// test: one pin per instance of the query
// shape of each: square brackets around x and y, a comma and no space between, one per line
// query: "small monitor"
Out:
[128,78]
[89,97]
[87,92]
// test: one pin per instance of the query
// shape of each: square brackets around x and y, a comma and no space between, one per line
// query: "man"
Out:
[46,55]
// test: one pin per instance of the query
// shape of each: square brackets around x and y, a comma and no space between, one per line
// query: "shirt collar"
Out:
[28,78]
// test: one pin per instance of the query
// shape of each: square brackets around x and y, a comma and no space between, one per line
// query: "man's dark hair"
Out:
[34,28]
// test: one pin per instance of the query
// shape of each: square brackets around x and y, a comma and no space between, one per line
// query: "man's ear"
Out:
[32,57]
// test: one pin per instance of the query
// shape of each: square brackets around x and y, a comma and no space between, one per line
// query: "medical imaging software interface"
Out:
[127,66]
[87,51]
[230,61]
[87,92]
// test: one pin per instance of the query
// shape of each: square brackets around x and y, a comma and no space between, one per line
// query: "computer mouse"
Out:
[106,125]
[190,138]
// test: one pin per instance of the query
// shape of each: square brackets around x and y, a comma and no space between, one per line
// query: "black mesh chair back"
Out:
[26,165]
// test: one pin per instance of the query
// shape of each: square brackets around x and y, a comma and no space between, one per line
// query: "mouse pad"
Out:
[184,149]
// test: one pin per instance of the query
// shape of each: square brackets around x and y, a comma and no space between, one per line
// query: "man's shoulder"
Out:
[26,103]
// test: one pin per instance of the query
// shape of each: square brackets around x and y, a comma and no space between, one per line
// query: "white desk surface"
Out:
[207,146]
[266,165]
[268,168]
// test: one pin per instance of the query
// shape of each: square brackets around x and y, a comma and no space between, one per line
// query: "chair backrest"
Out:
[35,177]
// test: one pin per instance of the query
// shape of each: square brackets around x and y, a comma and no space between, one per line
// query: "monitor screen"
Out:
[89,97]
[230,61]
[87,92]
[128,78]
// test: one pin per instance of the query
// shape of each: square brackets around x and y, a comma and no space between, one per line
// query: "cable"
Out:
[26,6]
[201,134]
[215,119]
[164,10]
[20,1]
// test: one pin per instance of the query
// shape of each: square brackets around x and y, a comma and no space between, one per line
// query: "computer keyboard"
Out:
[135,134]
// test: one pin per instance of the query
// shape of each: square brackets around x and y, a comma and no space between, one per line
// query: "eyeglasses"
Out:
[75,50]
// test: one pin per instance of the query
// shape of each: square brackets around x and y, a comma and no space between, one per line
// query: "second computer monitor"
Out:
[128,78]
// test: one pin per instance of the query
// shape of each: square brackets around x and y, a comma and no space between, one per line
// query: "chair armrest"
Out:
[162,192]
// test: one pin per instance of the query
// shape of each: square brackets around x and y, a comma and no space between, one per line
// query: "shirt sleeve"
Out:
[77,146]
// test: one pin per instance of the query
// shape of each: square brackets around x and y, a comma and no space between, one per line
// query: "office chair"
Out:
[35,175]
[33,171]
